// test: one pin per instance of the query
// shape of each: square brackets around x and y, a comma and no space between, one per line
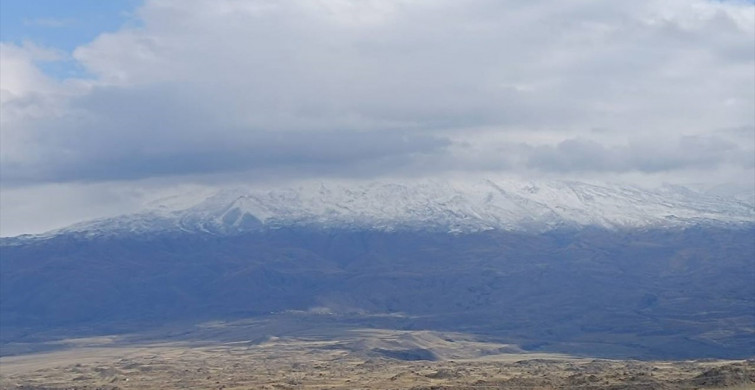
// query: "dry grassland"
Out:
[360,359]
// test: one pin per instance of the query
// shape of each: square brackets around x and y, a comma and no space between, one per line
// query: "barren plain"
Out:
[359,358]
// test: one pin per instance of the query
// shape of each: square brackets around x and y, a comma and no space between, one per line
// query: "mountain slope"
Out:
[681,293]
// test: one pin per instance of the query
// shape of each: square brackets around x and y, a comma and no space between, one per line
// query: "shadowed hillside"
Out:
[648,294]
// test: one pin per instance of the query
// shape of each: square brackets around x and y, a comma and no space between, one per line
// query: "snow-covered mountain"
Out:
[389,254]
[432,205]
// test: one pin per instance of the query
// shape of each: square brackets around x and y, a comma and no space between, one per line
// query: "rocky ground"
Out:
[369,359]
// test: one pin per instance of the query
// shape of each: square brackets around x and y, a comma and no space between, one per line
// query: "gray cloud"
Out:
[133,133]
[686,152]
[380,87]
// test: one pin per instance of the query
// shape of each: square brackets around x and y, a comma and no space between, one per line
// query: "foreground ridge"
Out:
[333,362]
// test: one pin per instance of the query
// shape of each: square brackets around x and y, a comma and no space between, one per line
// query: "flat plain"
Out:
[358,358]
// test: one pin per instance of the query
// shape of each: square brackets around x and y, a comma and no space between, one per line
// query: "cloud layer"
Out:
[338,87]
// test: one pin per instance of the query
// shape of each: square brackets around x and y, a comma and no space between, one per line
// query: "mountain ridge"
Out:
[455,207]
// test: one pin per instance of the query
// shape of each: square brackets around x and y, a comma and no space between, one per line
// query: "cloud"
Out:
[579,154]
[20,77]
[335,87]
[133,133]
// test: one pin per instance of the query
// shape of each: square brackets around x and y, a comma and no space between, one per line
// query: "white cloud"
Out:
[20,77]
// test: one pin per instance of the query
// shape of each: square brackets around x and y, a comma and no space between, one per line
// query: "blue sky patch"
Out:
[62,25]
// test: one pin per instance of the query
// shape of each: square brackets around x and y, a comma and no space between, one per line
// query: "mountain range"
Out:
[595,269]
[461,206]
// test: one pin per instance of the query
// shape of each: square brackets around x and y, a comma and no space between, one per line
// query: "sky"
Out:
[106,105]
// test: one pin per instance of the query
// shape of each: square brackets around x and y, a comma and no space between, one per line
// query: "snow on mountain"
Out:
[433,205]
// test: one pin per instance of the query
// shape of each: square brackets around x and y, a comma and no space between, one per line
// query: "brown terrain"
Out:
[351,359]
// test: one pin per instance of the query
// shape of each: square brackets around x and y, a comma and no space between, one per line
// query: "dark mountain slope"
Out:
[653,293]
